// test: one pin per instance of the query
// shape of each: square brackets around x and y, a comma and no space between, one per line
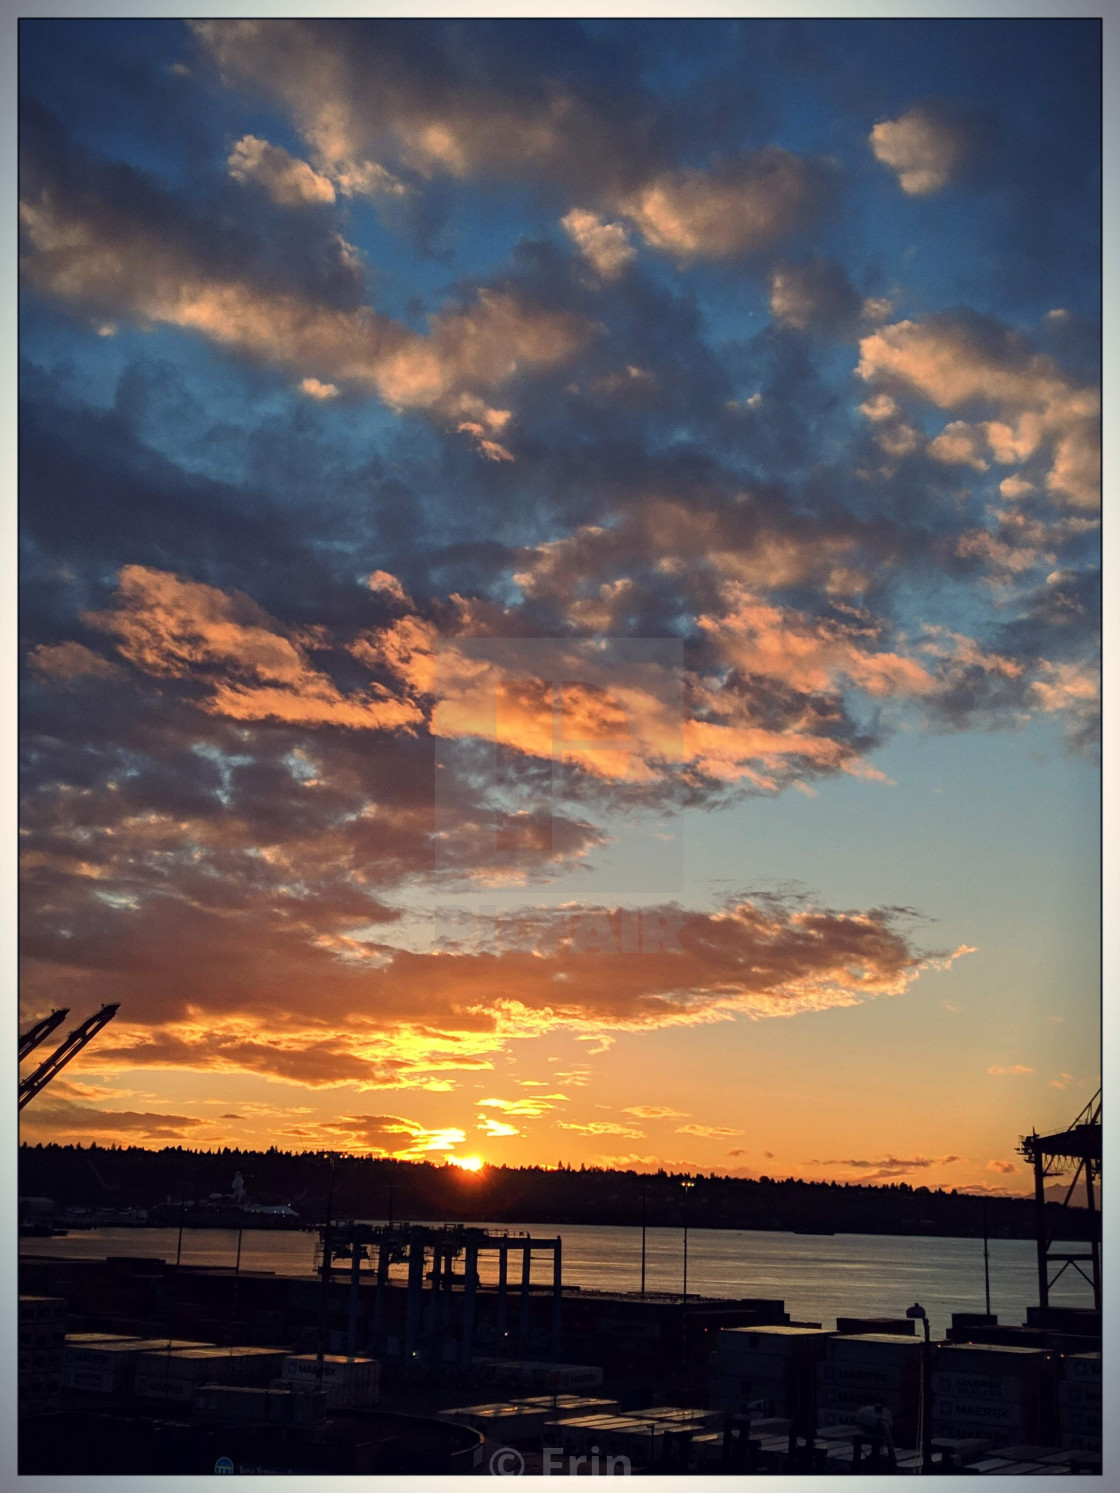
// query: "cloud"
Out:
[534,1106]
[605,246]
[707,1130]
[170,627]
[314,389]
[1074,690]
[64,1122]
[1015,1068]
[68,661]
[385,93]
[137,254]
[288,181]
[261,986]
[601,1127]
[379,1135]
[741,206]
[1004,1167]
[654,1112]
[357,92]
[814,295]
[925,147]
[1037,414]
[888,1166]
[631,1161]
[960,444]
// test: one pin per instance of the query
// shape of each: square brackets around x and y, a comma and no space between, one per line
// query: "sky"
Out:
[560,588]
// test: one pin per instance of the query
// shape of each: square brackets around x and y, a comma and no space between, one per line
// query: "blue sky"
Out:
[349,348]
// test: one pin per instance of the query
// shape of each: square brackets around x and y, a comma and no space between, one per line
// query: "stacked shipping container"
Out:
[177,1375]
[348,1383]
[1079,1402]
[108,1367]
[767,1371]
[988,1389]
[871,1368]
[42,1325]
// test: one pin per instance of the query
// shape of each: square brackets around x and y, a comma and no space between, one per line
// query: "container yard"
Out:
[146,1363]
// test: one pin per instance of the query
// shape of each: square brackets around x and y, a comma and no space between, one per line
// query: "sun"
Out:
[467,1163]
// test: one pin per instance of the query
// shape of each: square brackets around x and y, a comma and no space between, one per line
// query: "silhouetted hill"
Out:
[365,1187]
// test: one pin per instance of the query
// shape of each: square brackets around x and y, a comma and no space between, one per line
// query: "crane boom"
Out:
[41,1031]
[50,1067]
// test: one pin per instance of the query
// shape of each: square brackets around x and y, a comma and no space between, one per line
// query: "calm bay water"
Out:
[818,1277]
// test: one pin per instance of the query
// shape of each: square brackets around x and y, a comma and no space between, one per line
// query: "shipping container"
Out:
[87,1339]
[734,1358]
[873,1348]
[784,1341]
[108,1367]
[1007,1387]
[992,1358]
[866,1375]
[538,1375]
[348,1383]
[575,1404]
[901,1326]
[41,1310]
[1080,1393]
[1081,1422]
[194,1364]
[979,1412]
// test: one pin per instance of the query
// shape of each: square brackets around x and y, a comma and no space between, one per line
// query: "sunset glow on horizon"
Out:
[561,589]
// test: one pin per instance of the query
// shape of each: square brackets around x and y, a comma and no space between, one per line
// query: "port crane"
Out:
[1077,1149]
[50,1067]
[41,1031]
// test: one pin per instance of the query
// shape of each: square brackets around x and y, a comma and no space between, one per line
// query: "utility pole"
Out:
[686,1187]
[987,1281]
[326,1278]
[643,1239]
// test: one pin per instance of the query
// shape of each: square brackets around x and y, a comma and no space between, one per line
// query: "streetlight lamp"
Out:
[918,1313]
[685,1189]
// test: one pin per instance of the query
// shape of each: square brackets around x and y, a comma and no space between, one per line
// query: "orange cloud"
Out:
[601,1127]
[380,1135]
[60,1119]
[153,272]
[605,246]
[287,180]
[211,992]
[713,1131]
[924,147]
[1037,411]
[740,206]
[175,628]
[67,661]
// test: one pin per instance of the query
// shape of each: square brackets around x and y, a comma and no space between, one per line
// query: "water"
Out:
[818,1277]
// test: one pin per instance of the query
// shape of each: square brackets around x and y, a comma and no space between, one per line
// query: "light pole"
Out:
[643,1239]
[918,1313]
[987,1277]
[685,1189]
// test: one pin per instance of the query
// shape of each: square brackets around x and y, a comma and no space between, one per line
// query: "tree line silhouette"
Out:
[120,1177]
